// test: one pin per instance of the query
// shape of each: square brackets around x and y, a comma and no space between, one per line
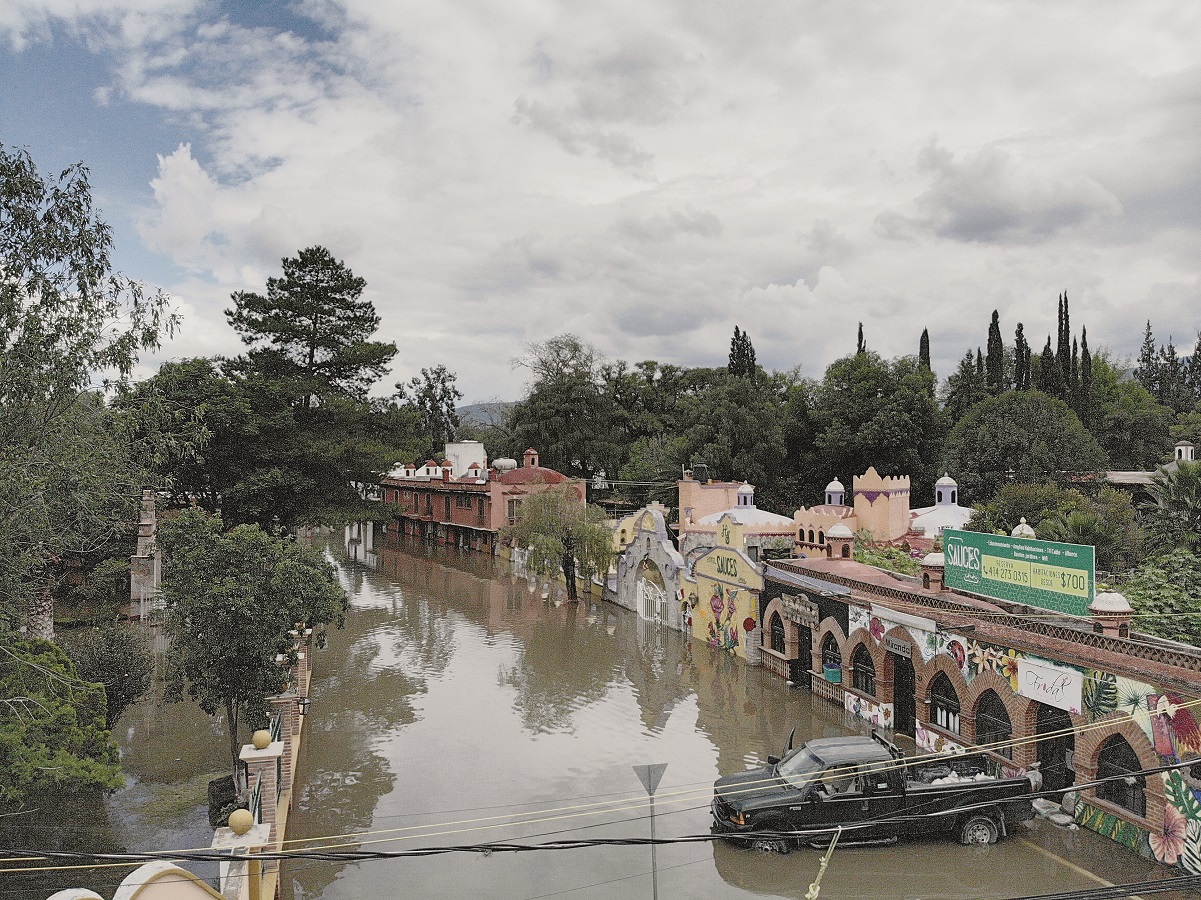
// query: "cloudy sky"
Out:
[644,173]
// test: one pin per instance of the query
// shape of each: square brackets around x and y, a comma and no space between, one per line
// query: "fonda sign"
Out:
[1047,574]
[1050,684]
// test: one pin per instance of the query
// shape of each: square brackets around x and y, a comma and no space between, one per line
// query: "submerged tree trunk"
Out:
[231,721]
[569,575]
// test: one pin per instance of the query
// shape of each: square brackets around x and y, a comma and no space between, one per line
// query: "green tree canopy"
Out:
[118,657]
[1023,436]
[1164,592]
[312,330]
[872,412]
[1173,517]
[67,322]
[52,730]
[231,598]
[563,535]
[433,396]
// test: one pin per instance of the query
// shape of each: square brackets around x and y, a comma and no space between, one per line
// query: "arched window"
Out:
[940,496]
[944,704]
[953,498]
[993,725]
[777,633]
[846,551]
[831,655]
[811,535]
[863,671]
[821,537]
[1117,761]
[926,580]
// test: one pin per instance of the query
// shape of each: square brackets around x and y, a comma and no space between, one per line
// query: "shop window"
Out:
[863,671]
[1119,763]
[944,704]
[993,725]
[831,655]
[777,633]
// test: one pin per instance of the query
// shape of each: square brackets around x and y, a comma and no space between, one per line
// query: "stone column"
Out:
[285,708]
[260,769]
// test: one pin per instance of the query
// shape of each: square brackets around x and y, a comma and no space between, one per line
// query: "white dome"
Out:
[839,531]
[946,481]
[934,559]
[835,485]
[1110,603]
[1022,530]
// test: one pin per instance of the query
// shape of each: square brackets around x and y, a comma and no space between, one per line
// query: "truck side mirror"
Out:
[772,760]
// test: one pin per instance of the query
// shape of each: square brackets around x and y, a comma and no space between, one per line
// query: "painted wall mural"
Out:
[1166,718]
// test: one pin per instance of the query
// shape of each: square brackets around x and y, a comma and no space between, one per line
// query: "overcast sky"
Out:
[644,173]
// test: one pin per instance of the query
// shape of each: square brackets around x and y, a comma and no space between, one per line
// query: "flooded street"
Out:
[460,707]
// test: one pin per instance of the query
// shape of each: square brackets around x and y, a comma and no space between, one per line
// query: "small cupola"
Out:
[746,496]
[1022,530]
[1111,614]
[835,493]
[933,568]
[946,491]
[530,458]
[838,542]
[1184,451]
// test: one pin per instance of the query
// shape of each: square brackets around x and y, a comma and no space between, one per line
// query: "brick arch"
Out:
[1030,723]
[829,625]
[1017,707]
[790,638]
[1088,752]
[864,637]
[945,664]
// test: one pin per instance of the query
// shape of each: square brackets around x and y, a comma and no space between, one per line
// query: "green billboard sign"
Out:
[1046,574]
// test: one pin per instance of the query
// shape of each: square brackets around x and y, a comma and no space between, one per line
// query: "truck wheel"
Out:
[772,844]
[978,830]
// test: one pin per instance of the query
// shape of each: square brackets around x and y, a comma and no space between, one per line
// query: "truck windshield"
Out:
[799,768]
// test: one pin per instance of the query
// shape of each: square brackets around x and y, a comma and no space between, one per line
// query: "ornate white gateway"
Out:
[652,601]
[649,570]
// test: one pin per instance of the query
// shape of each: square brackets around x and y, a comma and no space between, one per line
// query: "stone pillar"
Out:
[260,769]
[286,709]
[145,572]
[242,878]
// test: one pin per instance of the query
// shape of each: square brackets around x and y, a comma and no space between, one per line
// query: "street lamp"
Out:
[303,704]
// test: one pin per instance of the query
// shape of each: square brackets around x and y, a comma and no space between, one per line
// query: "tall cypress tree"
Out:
[1063,352]
[1086,381]
[1194,370]
[994,366]
[923,350]
[742,355]
[980,365]
[1147,372]
[1073,386]
[1050,377]
[860,343]
[1021,360]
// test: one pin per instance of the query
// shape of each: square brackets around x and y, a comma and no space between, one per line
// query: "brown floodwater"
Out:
[463,705]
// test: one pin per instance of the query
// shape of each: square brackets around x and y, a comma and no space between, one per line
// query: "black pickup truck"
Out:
[867,787]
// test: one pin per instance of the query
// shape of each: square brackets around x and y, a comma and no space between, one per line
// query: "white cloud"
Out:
[650,175]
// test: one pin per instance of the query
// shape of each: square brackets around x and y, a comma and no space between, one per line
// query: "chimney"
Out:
[530,457]
[933,567]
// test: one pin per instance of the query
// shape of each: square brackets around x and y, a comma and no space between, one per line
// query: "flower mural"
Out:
[1168,843]
[723,631]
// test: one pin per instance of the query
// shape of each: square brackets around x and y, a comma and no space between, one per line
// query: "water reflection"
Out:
[457,695]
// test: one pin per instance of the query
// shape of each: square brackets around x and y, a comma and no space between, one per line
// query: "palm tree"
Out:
[1174,518]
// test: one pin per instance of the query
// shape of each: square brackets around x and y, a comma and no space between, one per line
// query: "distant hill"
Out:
[484,414]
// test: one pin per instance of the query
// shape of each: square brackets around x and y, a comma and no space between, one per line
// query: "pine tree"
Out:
[995,363]
[923,350]
[980,365]
[1021,359]
[1172,390]
[1147,372]
[1194,370]
[861,344]
[1073,387]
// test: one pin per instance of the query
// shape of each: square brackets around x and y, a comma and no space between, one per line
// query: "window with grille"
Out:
[863,671]
[1118,762]
[993,725]
[944,704]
